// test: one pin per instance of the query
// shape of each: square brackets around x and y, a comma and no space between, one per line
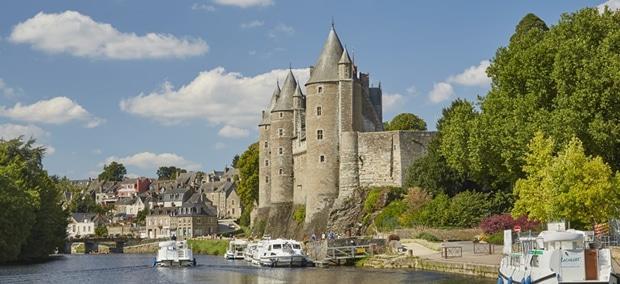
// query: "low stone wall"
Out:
[451,234]
[411,262]
[144,248]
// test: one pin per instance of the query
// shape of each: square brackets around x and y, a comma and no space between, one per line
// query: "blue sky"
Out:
[153,83]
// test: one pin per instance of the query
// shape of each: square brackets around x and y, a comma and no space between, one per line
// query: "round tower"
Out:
[322,128]
[281,134]
[264,153]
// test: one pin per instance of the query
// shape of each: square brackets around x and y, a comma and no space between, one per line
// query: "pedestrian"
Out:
[313,238]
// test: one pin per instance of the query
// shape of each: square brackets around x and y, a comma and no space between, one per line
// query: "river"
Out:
[133,268]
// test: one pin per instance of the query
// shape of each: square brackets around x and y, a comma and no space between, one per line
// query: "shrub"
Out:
[372,200]
[467,208]
[496,239]
[393,237]
[388,219]
[427,236]
[497,223]
[299,215]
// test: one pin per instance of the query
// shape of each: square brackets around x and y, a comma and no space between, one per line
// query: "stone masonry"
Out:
[322,146]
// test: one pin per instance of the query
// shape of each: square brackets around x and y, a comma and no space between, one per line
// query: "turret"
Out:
[345,66]
[282,131]
[264,152]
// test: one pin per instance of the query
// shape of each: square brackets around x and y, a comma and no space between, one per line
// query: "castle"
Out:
[321,146]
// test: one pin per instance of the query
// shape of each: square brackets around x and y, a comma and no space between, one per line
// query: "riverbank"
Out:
[424,255]
[199,246]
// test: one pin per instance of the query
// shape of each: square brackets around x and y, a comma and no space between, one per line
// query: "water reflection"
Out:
[123,268]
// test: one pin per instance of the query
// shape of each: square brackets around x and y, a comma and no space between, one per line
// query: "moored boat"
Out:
[174,253]
[280,253]
[556,256]
[236,249]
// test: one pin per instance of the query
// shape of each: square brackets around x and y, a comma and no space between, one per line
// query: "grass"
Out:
[210,247]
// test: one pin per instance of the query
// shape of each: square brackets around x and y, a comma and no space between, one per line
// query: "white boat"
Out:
[555,256]
[174,253]
[249,251]
[280,253]
[236,249]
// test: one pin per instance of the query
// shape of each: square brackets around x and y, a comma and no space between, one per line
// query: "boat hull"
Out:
[284,261]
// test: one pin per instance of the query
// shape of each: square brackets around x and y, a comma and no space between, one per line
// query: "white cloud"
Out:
[7,91]
[78,35]
[244,3]
[441,92]
[252,24]
[473,76]
[11,131]
[233,132]
[281,29]
[58,110]
[613,5]
[390,101]
[152,161]
[220,97]
[203,7]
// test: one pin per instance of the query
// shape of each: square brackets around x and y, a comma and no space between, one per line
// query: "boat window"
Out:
[278,246]
[296,246]
[534,261]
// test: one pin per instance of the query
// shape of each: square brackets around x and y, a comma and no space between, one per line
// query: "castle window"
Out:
[318,111]
[322,159]
[280,151]
[266,163]
[320,89]
[267,179]
[319,134]
[281,171]
[281,114]
[280,132]
[266,144]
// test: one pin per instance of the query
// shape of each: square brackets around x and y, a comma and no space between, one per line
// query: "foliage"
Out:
[575,187]
[235,160]
[32,222]
[499,222]
[101,231]
[210,247]
[141,216]
[427,236]
[378,197]
[168,173]
[388,218]
[405,121]
[496,238]
[244,219]
[247,186]
[113,172]
[299,215]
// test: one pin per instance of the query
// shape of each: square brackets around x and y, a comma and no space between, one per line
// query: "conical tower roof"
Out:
[274,99]
[326,67]
[285,100]
[345,59]
[298,92]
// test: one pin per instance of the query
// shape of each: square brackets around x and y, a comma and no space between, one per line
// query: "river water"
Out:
[131,268]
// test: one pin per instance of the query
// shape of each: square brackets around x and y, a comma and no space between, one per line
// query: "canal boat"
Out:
[280,253]
[174,253]
[556,256]
[236,249]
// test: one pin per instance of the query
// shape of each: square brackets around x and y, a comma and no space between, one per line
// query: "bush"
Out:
[393,237]
[372,200]
[427,236]
[497,223]
[388,219]
[496,239]
[299,215]
[467,208]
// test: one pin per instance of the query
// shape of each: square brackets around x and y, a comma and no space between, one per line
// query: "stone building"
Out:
[191,216]
[321,146]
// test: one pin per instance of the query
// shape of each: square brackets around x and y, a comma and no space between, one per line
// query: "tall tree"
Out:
[167,173]
[406,121]
[575,187]
[247,186]
[113,172]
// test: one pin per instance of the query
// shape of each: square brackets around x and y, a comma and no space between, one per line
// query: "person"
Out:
[174,237]
[323,236]
[313,238]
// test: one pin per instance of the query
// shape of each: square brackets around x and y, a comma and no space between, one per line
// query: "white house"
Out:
[81,224]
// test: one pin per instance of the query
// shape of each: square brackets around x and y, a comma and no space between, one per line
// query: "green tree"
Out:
[113,172]
[141,216]
[235,160]
[247,184]
[406,121]
[168,173]
[101,231]
[32,222]
[575,187]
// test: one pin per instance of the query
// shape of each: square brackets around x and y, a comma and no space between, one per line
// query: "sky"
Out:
[158,83]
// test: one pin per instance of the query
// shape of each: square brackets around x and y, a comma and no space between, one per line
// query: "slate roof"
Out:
[326,67]
[285,100]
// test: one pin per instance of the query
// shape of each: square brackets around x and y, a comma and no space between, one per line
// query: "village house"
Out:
[176,197]
[84,224]
[132,187]
[104,191]
[129,206]
[190,217]
[222,191]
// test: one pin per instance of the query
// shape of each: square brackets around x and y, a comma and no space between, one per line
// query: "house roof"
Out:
[80,217]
